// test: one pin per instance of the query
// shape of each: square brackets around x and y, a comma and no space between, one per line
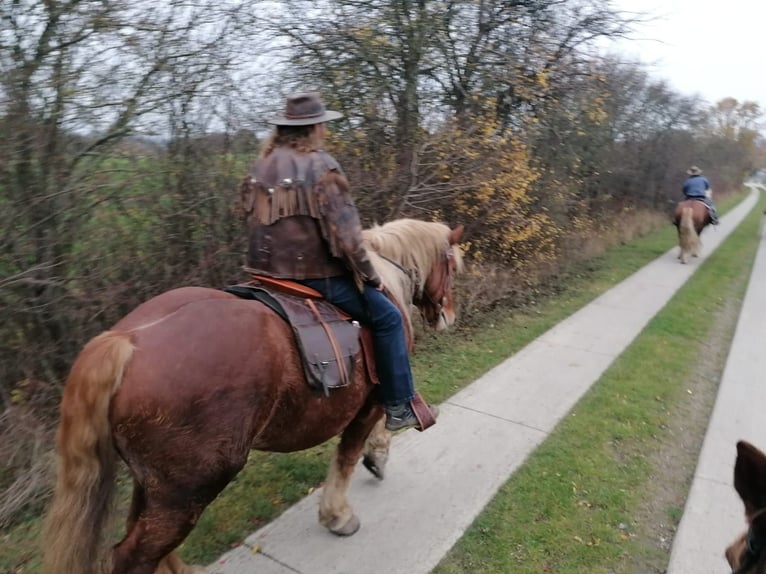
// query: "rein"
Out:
[754,549]
[419,288]
[445,284]
[412,274]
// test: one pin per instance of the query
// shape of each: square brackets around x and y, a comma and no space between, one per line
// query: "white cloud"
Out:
[713,49]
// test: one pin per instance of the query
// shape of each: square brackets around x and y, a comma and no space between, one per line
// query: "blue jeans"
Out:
[374,310]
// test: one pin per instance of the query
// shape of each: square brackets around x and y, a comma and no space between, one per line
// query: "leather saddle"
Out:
[329,342]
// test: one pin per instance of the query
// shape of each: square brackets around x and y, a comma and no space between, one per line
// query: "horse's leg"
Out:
[171,564]
[334,510]
[137,505]
[680,243]
[376,449]
[159,528]
[160,518]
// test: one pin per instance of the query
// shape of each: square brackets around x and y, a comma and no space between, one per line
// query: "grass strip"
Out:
[569,508]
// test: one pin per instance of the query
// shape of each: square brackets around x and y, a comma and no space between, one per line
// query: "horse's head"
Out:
[426,256]
[747,554]
[437,303]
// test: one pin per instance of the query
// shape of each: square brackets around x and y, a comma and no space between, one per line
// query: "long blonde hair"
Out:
[304,139]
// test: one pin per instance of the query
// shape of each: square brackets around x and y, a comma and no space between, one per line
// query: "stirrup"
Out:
[422,412]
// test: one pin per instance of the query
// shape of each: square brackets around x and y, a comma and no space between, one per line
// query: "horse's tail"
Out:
[686,226]
[86,457]
[688,240]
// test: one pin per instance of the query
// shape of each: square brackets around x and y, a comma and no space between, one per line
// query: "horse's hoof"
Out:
[371,464]
[351,526]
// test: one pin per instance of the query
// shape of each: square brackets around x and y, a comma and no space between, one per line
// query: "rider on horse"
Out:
[697,187]
[310,232]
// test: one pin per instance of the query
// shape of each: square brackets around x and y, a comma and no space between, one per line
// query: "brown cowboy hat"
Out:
[304,110]
[694,170]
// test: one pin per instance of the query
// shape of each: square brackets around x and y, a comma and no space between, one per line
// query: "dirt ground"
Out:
[656,522]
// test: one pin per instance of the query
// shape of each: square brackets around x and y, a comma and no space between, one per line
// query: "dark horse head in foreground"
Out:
[691,217]
[747,555]
[184,386]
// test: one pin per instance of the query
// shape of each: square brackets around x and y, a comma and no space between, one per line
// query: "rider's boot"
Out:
[402,416]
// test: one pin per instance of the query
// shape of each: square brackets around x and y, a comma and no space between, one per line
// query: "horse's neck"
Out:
[397,280]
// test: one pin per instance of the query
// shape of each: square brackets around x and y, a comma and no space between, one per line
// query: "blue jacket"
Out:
[696,186]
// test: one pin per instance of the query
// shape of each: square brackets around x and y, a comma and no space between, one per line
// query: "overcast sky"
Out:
[714,49]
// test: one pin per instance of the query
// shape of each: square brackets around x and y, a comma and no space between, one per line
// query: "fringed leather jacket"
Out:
[302,221]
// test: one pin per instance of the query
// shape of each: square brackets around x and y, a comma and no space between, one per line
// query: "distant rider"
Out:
[697,187]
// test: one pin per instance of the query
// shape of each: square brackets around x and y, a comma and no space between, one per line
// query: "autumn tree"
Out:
[80,82]
[733,131]
[402,69]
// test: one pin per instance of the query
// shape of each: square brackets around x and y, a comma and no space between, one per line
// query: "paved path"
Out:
[438,481]
[714,515]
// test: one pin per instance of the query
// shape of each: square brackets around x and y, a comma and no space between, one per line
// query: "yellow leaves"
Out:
[595,110]
[542,78]
[495,169]
[474,170]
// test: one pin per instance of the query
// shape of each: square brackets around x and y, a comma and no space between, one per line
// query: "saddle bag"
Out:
[328,342]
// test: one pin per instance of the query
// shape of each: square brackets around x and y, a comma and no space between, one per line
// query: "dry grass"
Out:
[485,286]
[26,470]
[594,242]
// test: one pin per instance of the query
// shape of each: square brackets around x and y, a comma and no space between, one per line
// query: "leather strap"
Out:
[287,286]
[422,412]
[344,375]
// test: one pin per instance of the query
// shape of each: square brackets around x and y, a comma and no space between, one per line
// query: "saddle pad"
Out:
[329,347]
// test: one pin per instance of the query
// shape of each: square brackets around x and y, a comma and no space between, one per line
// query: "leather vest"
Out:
[286,238]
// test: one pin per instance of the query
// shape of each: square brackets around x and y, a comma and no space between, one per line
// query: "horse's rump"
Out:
[700,214]
[691,216]
[184,382]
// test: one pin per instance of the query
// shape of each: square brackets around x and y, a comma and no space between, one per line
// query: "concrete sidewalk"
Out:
[437,482]
[714,515]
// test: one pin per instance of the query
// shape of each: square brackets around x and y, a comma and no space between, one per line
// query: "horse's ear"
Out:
[750,477]
[455,235]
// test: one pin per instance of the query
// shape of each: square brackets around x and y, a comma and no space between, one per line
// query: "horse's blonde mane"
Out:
[414,245]
[398,284]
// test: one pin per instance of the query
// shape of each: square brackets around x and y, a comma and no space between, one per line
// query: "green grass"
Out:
[443,364]
[569,508]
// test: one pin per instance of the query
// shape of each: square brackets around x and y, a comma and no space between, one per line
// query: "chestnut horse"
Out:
[747,555]
[691,217]
[184,386]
